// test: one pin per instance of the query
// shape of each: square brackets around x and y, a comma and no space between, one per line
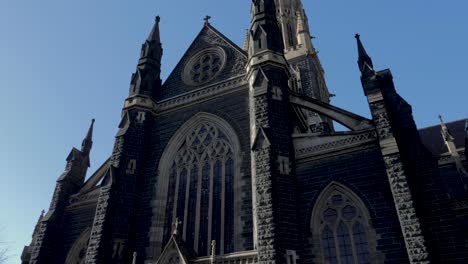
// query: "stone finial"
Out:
[175,227]
[213,251]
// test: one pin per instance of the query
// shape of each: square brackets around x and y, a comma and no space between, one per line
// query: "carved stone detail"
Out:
[202,93]
[409,222]
[338,144]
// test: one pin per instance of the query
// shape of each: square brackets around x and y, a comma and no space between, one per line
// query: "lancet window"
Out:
[342,228]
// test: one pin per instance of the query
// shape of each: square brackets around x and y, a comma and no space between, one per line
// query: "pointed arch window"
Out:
[201,177]
[341,228]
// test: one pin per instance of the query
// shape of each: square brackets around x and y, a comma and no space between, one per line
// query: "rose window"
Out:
[204,66]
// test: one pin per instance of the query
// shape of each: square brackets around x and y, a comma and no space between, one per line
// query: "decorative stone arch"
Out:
[167,162]
[77,253]
[352,218]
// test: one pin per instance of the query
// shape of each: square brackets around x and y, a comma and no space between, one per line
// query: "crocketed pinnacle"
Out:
[364,60]
[88,140]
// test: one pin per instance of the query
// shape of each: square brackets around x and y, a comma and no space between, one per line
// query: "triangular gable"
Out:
[174,252]
[209,37]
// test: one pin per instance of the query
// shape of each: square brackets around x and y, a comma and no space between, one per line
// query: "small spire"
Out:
[154,36]
[88,140]
[134,258]
[363,59]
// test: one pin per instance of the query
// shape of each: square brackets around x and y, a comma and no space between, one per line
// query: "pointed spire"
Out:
[364,59]
[154,36]
[88,140]
[146,79]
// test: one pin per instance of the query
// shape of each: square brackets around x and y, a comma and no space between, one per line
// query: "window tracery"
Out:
[341,226]
[200,190]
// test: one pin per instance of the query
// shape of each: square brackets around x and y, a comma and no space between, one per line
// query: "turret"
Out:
[266,34]
[47,234]
[146,80]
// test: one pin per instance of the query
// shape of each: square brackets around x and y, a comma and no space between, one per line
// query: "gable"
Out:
[174,252]
[210,59]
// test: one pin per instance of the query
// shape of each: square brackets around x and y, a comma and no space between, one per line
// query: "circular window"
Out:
[204,66]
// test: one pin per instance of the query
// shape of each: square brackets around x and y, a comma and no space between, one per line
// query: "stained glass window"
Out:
[342,222]
[201,190]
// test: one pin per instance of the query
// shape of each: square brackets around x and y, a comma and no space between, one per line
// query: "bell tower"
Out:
[307,74]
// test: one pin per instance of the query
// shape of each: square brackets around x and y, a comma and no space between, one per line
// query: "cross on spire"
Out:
[175,226]
[207,20]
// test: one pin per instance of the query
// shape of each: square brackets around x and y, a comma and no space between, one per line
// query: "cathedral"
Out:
[234,159]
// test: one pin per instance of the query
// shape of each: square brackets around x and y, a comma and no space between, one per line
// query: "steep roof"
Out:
[431,137]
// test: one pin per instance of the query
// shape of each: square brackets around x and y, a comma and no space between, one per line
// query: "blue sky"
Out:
[65,62]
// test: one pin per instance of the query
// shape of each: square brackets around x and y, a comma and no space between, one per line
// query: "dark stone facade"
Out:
[407,187]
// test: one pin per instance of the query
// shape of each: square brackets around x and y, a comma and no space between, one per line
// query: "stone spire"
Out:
[146,80]
[294,25]
[364,61]
[154,36]
[88,140]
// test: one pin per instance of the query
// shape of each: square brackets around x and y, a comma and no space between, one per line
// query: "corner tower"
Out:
[273,173]
[114,241]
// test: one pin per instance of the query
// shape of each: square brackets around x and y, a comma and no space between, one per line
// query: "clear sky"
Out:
[64,62]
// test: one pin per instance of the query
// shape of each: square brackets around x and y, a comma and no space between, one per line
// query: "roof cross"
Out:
[207,20]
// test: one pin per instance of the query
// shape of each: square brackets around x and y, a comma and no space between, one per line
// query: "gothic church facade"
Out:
[234,159]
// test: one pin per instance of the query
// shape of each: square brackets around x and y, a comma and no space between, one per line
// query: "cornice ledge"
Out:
[334,146]
[201,93]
